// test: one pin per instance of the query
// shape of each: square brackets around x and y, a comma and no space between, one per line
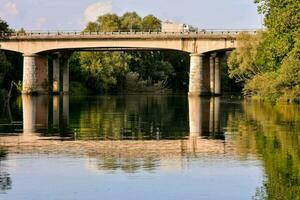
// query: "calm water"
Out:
[148,147]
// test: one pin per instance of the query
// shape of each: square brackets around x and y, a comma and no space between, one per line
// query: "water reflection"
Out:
[5,180]
[125,164]
[273,133]
[204,117]
[119,118]
[146,134]
[45,116]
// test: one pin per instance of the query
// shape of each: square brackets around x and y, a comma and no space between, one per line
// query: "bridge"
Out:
[36,47]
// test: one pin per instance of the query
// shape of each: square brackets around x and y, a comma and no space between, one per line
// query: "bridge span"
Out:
[36,47]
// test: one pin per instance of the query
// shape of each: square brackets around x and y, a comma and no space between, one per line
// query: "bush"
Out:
[78,89]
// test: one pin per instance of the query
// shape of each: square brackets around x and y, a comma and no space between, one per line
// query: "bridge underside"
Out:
[205,73]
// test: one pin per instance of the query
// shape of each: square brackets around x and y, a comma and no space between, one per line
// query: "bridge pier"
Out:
[61,81]
[35,74]
[215,75]
[212,74]
[66,76]
[196,85]
[56,74]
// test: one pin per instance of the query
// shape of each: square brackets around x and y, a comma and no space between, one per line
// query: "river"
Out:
[148,147]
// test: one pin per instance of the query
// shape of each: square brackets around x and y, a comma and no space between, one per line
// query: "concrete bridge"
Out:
[203,47]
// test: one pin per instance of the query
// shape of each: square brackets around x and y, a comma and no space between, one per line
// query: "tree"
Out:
[109,23]
[92,27]
[131,21]
[282,19]
[107,71]
[270,65]
[243,61]
[103,71]
[4,26]
[10,62]
[151,23]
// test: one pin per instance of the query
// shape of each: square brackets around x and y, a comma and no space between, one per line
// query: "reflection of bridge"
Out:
[37,112]
[202,46]
[42,112]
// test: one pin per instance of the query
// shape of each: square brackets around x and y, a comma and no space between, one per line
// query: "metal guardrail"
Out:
[80,33]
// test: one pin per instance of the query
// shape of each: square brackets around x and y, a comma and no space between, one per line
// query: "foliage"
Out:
[109,22]
[103,70]
[268,63]
[78,89]
[131,21]
[10,63]
[242,62]
[151,23]
[3,26]
[108,71]
[18,85]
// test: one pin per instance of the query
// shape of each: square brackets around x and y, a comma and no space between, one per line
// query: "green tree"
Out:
[107,71]
[282,19]
[10,62]
[109,23]
[4,27]
[131,21]
[150,22]
[269,65]
[92,27]
[243,61]
[103,71]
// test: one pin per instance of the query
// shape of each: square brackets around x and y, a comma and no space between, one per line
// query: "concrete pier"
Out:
[35,74]
[214,115]
[196,86]
[66,110]
[56,74]
[212,73]
[29,113]
[217,76]
[195,116]
[56,112]
[66,75]
[35,114]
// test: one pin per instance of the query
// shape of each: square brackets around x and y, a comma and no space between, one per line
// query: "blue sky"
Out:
[73,14]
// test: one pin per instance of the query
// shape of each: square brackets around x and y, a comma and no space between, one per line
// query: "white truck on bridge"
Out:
[169,26]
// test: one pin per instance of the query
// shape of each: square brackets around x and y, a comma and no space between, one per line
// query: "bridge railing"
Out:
[121,33]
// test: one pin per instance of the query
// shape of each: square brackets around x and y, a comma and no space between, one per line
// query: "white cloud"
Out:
[9,9]
[92,12]
[40,22]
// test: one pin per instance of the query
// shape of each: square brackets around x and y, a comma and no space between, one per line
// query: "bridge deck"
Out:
[122,35]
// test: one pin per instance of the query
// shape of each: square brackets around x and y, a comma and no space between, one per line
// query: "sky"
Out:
[72,15]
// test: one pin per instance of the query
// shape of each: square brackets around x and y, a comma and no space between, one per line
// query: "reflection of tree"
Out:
[274,132]
[133,117]
[5,180]
[3,153]
[127,164]
[149,163]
